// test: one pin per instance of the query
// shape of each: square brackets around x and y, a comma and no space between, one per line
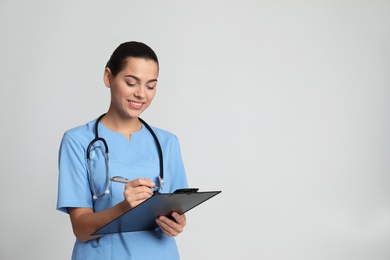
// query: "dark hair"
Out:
[126,50]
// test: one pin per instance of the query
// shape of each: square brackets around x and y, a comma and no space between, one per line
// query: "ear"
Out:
[107,77]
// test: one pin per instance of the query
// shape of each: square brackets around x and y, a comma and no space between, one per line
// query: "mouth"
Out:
[136,105]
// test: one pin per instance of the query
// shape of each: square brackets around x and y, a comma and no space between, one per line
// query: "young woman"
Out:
[84,190]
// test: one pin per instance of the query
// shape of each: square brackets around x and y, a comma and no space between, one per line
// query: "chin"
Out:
[133,114]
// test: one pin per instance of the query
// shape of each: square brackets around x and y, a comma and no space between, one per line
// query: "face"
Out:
[133,88]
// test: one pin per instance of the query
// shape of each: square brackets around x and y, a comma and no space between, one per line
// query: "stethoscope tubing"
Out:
[98,138]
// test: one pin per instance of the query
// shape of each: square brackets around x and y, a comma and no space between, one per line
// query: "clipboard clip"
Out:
[187,191]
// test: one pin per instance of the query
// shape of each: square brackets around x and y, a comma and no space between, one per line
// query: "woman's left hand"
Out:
[171,227]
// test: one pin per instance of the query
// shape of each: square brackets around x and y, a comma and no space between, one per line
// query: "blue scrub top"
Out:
[137,158]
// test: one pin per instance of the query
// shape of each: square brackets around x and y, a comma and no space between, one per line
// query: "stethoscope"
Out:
[97,138]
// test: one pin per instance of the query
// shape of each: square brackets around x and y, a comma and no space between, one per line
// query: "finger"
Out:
[170,227]
[138,193]
[135,196]
[165,228]
[141,182]
[180,219]
[136,199]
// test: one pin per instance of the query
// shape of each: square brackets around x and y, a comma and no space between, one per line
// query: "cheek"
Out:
[151,95]
[118,92]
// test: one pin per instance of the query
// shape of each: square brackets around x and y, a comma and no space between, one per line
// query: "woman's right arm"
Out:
[85,221]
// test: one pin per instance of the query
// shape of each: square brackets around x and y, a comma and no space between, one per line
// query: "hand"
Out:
[172,227]
[137,191]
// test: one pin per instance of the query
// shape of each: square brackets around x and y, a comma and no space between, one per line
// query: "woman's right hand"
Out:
[137,191]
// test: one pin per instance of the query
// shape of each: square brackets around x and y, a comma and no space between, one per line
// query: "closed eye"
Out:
[130,84]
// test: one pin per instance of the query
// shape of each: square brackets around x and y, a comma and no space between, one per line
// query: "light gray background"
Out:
[283,105]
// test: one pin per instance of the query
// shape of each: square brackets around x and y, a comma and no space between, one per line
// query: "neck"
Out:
[116,123]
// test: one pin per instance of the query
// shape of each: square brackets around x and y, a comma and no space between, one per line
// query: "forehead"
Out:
[140,67]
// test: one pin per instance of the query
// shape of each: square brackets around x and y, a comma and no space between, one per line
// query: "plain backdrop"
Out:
[282,105]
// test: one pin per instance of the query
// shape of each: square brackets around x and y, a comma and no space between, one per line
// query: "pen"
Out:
[119,179]
[124,180]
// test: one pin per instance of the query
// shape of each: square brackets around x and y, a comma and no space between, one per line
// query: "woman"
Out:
[131,75]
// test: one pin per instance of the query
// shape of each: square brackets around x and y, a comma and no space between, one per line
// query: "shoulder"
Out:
[81,133]
[169,143]
[167,139]
[164,134]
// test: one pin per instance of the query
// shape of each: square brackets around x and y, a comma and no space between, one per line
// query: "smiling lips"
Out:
[135,105]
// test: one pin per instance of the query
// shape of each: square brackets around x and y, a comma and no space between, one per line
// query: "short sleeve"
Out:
[73,184]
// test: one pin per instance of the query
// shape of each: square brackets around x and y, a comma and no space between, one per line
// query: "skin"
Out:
[132,91]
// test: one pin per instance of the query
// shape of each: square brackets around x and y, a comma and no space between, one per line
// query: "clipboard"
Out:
[143,216]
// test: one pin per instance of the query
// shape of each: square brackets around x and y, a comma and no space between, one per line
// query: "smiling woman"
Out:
[132,91]
[131,75]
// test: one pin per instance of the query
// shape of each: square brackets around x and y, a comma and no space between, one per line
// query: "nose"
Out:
[140,92]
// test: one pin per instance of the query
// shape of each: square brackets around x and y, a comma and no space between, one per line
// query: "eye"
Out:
[130,84]
[151,86]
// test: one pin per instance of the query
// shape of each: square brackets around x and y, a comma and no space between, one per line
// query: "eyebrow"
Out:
[138,79]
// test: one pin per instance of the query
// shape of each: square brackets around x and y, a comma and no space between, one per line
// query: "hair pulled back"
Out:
[126,50]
